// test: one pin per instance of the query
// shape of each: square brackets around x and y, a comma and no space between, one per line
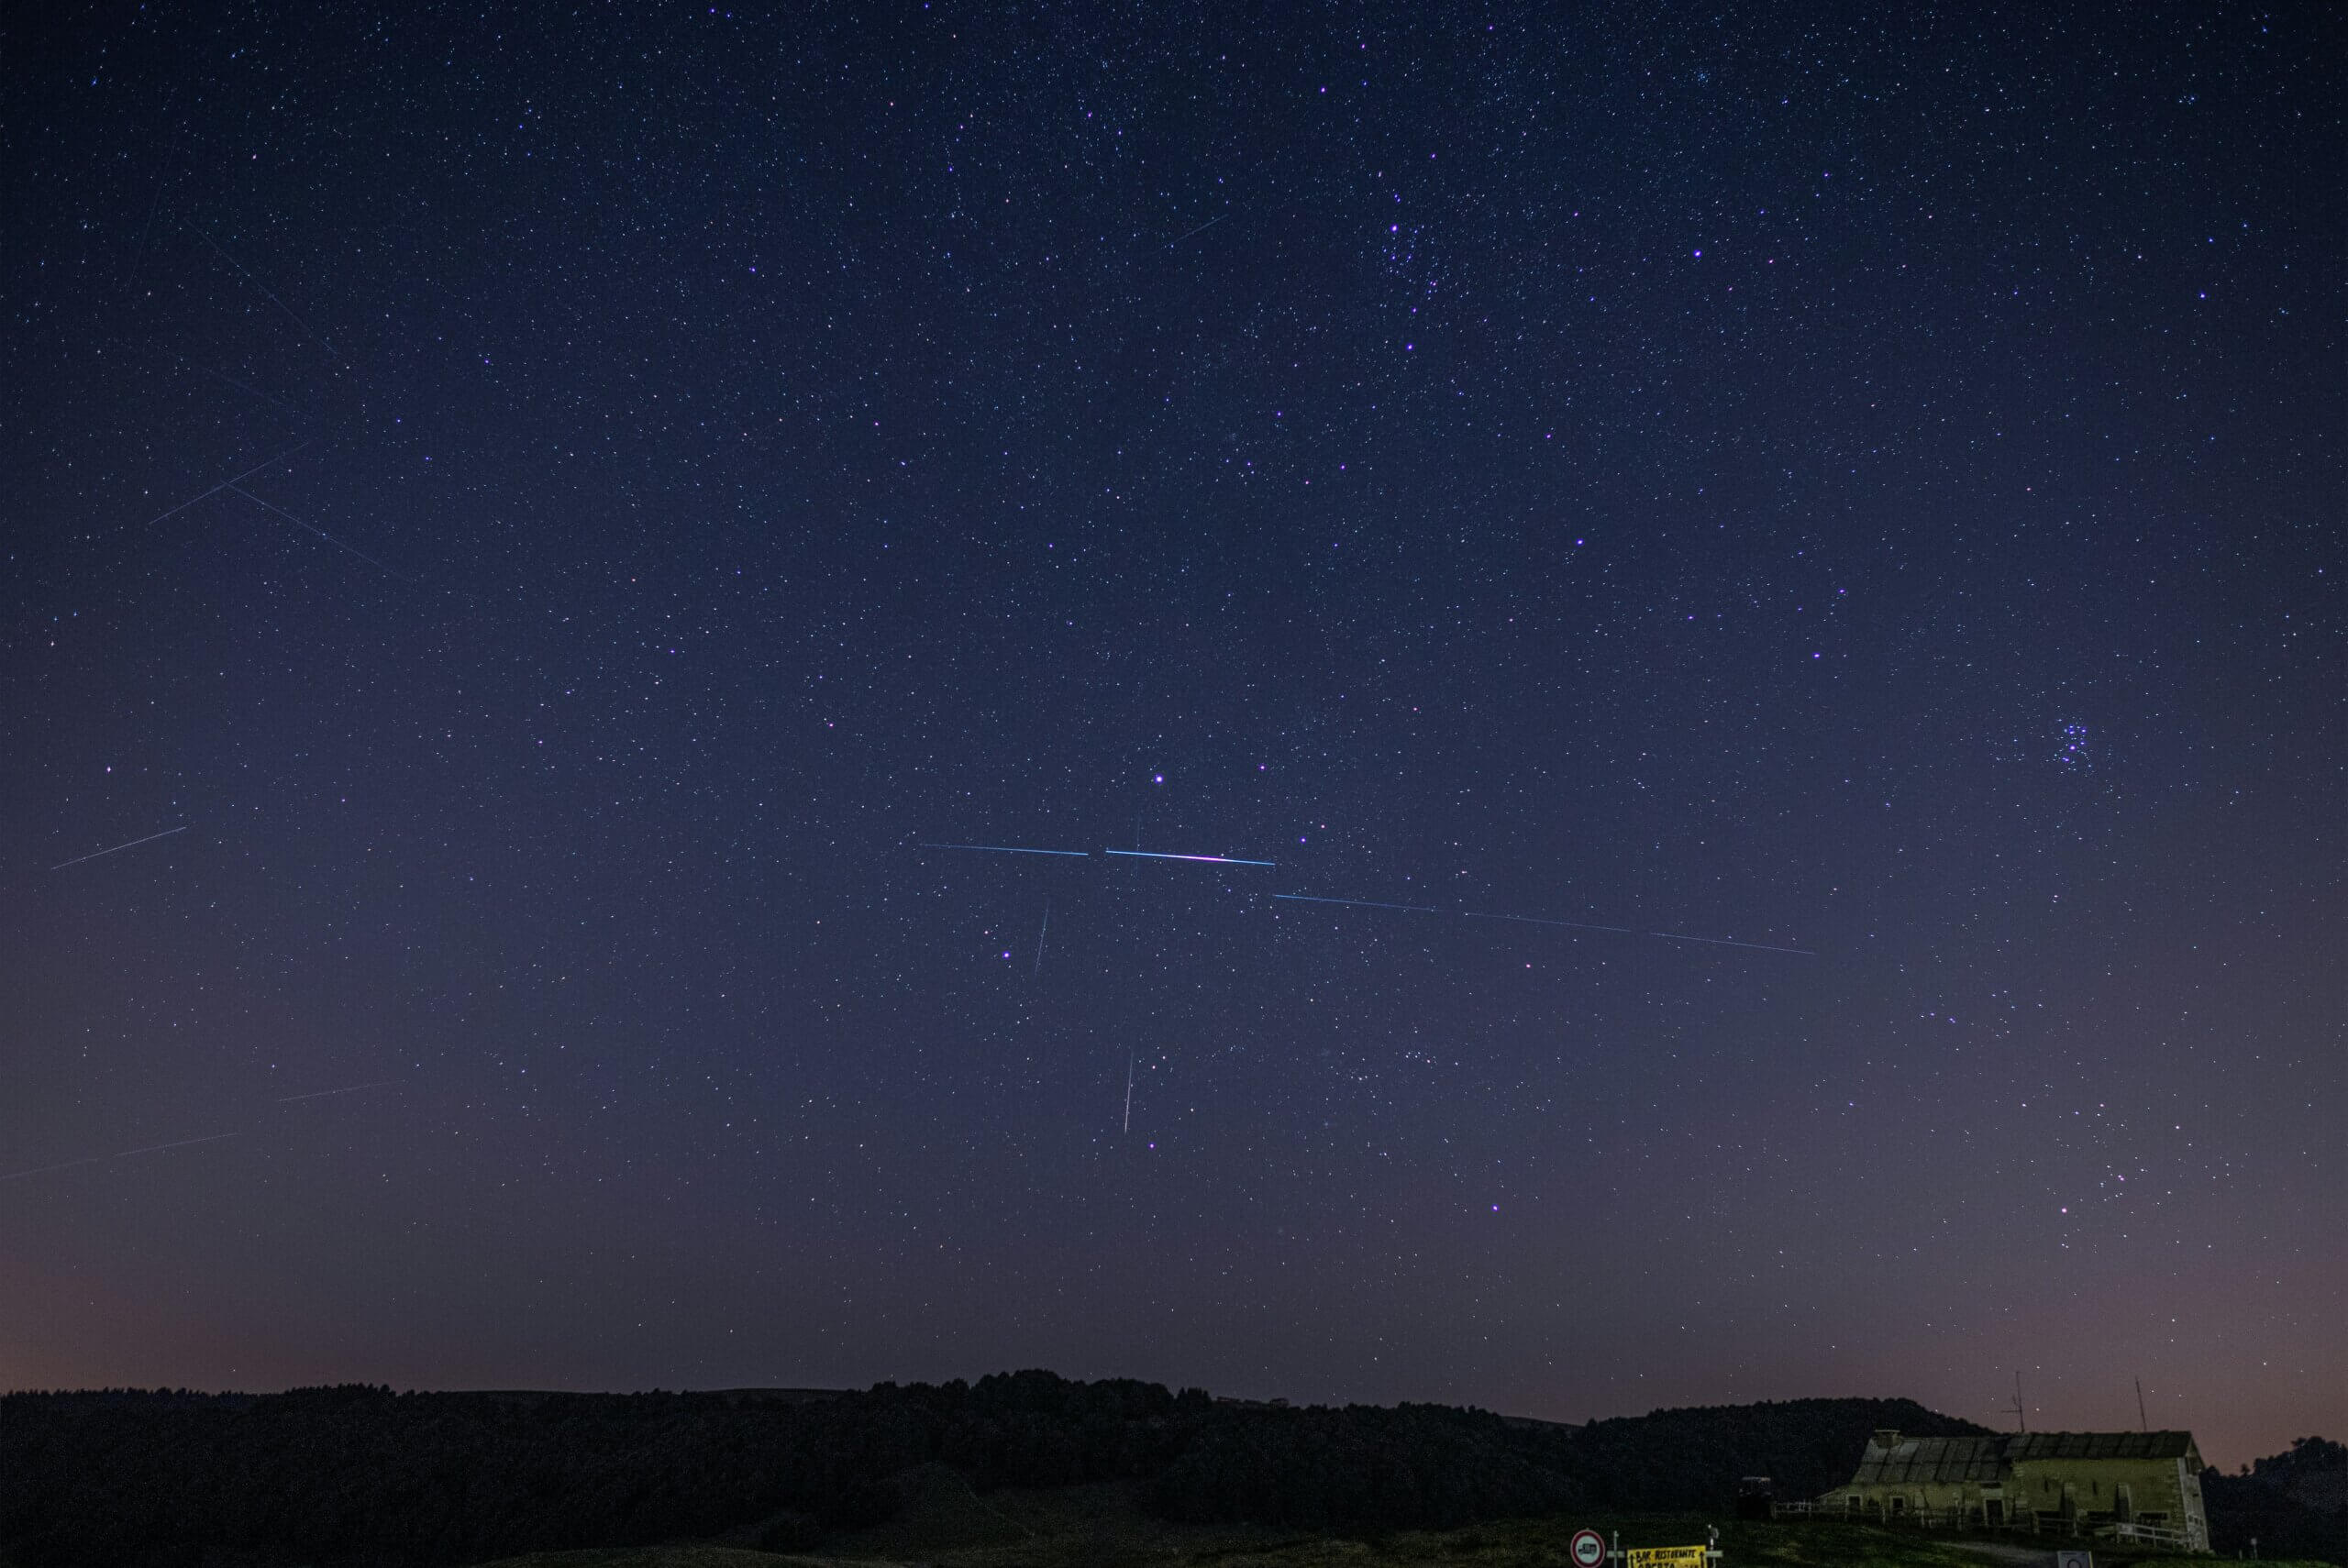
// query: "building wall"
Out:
[2165,1491]
[1915,1495]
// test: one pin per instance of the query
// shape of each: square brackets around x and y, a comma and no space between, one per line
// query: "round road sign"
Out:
[1588,1549]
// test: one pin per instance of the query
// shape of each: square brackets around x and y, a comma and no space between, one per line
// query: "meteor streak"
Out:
[1536,920]
[321,533]
[184,1142]
[1357,904]
[306,329]
[1209,859]
[224,483]
[119,847]
[1010,849]
[1201,229]
[44,1170]
[321,1094]
[1724,942]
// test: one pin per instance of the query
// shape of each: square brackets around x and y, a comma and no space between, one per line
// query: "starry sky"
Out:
[541,524]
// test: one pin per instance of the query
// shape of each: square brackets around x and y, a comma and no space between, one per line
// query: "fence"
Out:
[2133,1534]
[2121,1533]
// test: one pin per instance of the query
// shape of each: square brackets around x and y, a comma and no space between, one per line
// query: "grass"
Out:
[948,1526]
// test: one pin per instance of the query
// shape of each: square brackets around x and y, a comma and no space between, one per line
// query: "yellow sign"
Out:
[1666,1557]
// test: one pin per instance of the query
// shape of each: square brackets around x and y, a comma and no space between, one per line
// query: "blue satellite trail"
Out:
[1357,903]
[1011,849]
[1209,859]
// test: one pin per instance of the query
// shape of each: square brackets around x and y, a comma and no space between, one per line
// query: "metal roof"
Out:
[2024,1446]
[1932,1459]
[1991,1458]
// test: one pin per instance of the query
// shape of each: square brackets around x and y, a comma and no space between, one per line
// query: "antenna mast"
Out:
[2022,1423]
[2140,1421]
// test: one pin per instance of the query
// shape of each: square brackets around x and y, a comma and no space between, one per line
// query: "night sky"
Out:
[548,517]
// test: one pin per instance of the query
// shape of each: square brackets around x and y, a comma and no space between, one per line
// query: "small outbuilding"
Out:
[2066,1482]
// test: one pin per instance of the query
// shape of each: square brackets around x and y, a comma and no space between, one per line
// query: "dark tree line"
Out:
[360,1477]
[2293,1504]
[1365,1467]
[1691,1458]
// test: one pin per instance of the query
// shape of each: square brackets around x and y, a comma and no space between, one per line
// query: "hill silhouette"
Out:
[361,1477]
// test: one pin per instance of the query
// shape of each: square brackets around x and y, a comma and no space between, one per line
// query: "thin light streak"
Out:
[1536,920]
[321,1094]
[1724,942]
[1357,903]
[44,1170]
[119,847]
[273,299]
[227,483]
[1009,849]
[1201,229]
[321,533]
[183,1144]
[1209,859]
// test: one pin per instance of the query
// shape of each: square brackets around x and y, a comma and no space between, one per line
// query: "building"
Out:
[2065,1482]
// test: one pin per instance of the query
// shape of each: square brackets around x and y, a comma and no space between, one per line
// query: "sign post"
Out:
[1587,1550]
[1666,1557]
